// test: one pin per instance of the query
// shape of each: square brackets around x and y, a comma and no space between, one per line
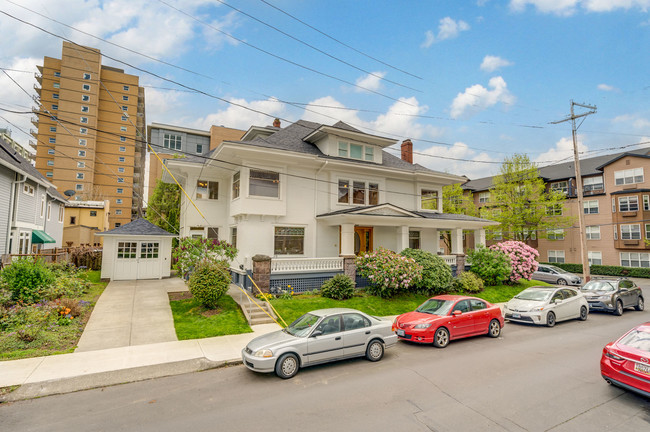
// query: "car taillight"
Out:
[613,356]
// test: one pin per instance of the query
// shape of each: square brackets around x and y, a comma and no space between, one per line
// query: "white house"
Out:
[315,191]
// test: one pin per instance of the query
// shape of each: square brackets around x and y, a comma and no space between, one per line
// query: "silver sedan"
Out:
[318,337]
[547,305]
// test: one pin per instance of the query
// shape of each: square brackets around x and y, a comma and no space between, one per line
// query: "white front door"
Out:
[137,260]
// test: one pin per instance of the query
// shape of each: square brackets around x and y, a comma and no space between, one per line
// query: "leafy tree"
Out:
[524,207]
[456,201]
[165,206]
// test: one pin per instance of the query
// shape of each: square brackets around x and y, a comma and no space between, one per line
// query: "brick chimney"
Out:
[276,123]
[407,151]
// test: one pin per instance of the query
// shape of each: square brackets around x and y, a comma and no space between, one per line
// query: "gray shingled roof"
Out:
[563,171]
[139,227]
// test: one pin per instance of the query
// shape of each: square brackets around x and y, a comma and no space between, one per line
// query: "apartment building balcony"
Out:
[34,121]
[39,77]
[37,89]
[34,133]
[32,144]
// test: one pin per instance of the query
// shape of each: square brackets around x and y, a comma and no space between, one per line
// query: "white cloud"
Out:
[370,82]
[606,87]
[562,152]
[477,98]
[492,63]
[432,157]
[569,7]
[13,98]
[635,122]
[241,118]
[448,28]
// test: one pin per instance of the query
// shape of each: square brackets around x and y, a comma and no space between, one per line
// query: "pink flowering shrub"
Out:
[523,259]
[388,272]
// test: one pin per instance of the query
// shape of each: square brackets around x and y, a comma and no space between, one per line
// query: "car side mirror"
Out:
[456,312]
[316,333]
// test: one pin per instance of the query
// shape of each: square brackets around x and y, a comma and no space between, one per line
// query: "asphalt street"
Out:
[529,379]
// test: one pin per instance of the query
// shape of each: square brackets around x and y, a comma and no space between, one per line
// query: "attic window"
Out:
[356,151]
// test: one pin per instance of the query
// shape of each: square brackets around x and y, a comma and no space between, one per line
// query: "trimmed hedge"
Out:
[602,270]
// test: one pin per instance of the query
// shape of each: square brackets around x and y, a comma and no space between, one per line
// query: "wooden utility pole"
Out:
[576,162]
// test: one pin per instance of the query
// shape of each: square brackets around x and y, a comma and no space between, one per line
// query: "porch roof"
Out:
[391,215]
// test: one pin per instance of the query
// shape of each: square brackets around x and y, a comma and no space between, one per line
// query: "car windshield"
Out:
[534,294]
[637,339]
[598,286]
[435,307]
[302,326]
[557,269]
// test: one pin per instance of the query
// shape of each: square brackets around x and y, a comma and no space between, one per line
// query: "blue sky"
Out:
[485,78]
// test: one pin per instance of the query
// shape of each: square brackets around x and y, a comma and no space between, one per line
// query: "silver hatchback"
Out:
[555,275]
[318,337]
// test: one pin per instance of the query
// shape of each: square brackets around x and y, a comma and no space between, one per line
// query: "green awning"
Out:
[39,236]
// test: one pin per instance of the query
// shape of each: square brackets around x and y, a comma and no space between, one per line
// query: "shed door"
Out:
[137,260]
[126,263]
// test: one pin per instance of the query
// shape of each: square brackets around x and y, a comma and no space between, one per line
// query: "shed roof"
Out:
[139,227]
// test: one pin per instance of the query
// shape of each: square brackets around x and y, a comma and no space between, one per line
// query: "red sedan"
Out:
[447,317]
[626,362]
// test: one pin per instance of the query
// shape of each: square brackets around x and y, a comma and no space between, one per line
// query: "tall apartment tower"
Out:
[91,131]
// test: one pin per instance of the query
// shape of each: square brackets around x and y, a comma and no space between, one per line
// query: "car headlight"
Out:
[422,326]
[537,309]
[604,297]
[263,353]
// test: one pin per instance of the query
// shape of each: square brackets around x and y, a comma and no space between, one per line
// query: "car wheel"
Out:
[287,366]
[619,308]
[375,351]
[550,319]
[495,329]
[639,304]
[561,282]
[441,338]
[584,312]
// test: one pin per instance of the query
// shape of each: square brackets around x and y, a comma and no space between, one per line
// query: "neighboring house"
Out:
[315,191]
[5,134]
[616,206]
[31,216]
[174,141]
[83,219]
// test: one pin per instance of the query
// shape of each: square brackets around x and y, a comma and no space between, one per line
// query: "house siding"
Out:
[6,179]
[27,209]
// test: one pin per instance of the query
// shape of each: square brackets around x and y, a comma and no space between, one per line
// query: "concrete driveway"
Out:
[131,313]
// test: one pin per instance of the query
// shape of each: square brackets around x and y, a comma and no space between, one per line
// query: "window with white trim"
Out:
[83,142]
[60,214]
[42,206]
[52,128]
[631,232]
[206,189]
[81,153]
[56,85]
[55,107]
[81,164]
[122,148]
[125,117]
[123,138]
[125,108]
[120,179]
[414,239]
[125,88]
[483,197]
[628,176]
[125,98]
[86,87]
[118,212]
[555,234]
[55,95]
[592,232]
[119,201]
[83,119]
[199,148]
[362,193]
[123,128]
[235,185]
[646,202]
[79,187]
[52,140]
[49,210]
[264,183]
[86,76]
[592,184]
[127,250]
[555,210]
[635,259]
[57,74]
[85,98]
[28,189]
[428,199]
[647,231]
[80,176]
[628,203]
[49,174]
[595,258]
[561,186]
[120,190]
[120,169]
[556,256]
[172,141]
[85,108]
[50,151]
[83,131]
[121,159]
[356,151]
[233,236]
[289,241]
[590,207]
[50,163]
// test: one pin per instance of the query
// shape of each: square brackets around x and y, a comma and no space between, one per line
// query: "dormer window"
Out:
[429,199]
[356,151]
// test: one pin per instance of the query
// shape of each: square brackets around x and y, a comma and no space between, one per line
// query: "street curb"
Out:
[110,378]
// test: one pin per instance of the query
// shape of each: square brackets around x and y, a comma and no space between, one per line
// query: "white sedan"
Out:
[546,305]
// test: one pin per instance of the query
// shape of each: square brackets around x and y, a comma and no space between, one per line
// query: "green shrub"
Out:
[436,273]
[493,266]
[468,283]
[28,280]
[604,270]
[209,281]
[340,287]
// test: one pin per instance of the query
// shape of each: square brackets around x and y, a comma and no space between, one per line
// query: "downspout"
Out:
[13,204]
[316,205]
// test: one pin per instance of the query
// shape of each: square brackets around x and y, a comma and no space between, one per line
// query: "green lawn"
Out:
[193,321]
[300,304]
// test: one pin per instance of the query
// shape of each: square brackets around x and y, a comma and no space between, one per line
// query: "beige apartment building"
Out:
[91,131]
[616,206]
[83,219]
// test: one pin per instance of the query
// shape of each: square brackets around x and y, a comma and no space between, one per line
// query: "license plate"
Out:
[400,333]
[642,368]
[516,315]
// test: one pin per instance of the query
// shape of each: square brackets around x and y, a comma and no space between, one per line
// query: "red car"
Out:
[447,317]
[626,362]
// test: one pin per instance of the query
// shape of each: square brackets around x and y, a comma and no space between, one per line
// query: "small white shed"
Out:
[137,250]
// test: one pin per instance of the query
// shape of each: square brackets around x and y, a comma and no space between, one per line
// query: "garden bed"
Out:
[53,326]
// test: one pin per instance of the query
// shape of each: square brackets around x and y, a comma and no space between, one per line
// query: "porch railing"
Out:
[298,265]
[449,259]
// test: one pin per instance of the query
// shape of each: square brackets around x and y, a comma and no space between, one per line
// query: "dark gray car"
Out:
[613,295]
[555,275]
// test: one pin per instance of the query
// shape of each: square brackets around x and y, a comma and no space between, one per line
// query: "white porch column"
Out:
[436,242]
[402,238]
[479,237]
[457,241]
[347,239]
